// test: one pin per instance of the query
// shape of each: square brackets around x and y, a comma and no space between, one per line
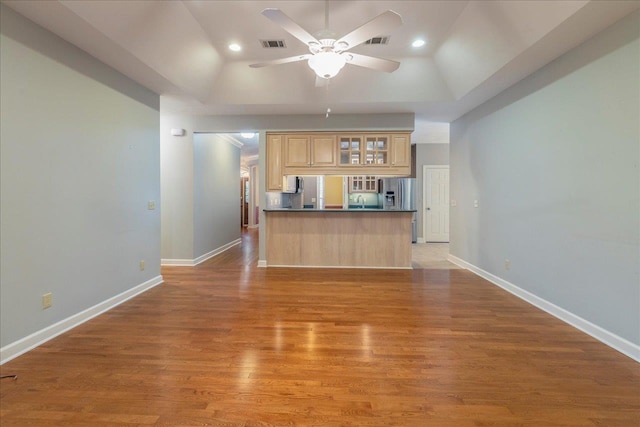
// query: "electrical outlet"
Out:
[47,300]
[475,203]
[151,205]
[507,264]
[142,265]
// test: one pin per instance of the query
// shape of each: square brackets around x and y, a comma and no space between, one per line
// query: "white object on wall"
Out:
[178,132]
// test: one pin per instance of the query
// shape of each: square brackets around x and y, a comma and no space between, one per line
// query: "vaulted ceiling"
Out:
[179,49]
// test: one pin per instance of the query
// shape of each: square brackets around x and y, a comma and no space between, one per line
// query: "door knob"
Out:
[428,209]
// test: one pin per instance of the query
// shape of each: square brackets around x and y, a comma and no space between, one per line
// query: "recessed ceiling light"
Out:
[247,134]
[418,43]
[235,47]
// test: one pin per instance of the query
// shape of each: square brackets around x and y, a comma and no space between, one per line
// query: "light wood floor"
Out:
[228,344]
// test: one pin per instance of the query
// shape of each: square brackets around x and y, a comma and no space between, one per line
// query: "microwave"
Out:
[292,184]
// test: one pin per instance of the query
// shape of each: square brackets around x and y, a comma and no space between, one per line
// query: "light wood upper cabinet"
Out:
[343,153]
[309,151]
[297,152]
[350,150]
[323,150]
[376,150]
[363,184]
[400,150]
[274,162]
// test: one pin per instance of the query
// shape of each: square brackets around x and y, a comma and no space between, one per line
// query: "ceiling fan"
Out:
[328,53]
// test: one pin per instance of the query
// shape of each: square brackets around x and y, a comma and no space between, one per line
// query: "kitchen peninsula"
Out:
[358,238]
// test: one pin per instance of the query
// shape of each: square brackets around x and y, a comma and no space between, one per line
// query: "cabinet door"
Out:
[274,163]
[400,150]
[350,150]
[323,150]
[296,151]
[376,150]
[363,184]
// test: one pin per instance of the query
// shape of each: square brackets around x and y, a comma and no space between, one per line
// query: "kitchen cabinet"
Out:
[337,153]
[363,184]
[350,147]
[364,150]
[313,151]
[400,150]
[376,150]
[274,163]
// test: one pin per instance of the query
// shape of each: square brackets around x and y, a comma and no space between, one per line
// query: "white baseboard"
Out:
[253,226]
[612,340]
[177,262]
[421,240]
[370,267]
[17,348]
[200,259]
[262,263]
[215,252]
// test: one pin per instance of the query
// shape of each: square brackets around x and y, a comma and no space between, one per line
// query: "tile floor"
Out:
[431,255]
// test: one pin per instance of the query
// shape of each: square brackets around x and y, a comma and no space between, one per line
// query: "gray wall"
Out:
[427,154]
[176,183]
[553,162]
[216,193]
[79,150]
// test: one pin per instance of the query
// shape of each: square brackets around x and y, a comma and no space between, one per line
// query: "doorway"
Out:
[244,201]
[436,203]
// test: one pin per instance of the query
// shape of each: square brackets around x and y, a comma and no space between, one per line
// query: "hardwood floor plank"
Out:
[227,344]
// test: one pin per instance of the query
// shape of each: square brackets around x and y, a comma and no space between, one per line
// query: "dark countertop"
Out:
[337,210]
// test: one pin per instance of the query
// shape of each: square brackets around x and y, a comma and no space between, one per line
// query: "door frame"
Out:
[424,196]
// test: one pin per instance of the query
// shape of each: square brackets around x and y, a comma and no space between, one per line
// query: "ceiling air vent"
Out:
[378,40]
[268,44]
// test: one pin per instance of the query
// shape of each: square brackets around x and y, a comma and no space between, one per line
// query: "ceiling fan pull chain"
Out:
[326,14]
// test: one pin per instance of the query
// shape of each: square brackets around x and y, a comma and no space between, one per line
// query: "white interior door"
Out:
[436,203]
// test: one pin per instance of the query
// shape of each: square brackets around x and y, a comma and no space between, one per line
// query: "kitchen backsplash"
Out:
[370,200]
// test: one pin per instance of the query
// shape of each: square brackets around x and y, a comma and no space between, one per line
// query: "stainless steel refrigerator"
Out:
[400,194]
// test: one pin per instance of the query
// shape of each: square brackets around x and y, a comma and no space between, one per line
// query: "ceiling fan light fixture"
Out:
[341,46]
[327,64]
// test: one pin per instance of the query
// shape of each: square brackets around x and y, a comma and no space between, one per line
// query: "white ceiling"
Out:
[179,49]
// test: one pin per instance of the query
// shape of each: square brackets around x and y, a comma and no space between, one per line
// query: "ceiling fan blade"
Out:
[321,82]
[282,61]
[277,16]
[378,26]
[379,64]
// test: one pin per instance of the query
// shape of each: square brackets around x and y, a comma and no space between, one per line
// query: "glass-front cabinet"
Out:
[376,150]
[350,150]
[363,184]
[371,150]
